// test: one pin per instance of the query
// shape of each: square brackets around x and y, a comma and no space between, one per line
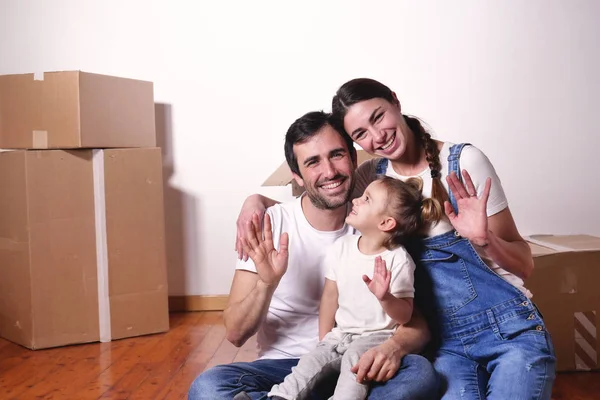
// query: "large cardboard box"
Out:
[73,109]
[564,284]
[82,251]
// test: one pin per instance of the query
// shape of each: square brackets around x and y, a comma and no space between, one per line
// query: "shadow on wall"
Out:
[181,209]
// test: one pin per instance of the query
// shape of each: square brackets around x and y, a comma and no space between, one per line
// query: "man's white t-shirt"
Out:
[291,328]
[359,311]
[479,167]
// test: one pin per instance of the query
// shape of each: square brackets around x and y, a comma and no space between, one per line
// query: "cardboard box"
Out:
[283,175]
[564,284]
[75,109]
[82,252]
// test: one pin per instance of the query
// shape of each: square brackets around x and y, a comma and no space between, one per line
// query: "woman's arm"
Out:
[505,246]
[497,235]
[254,204]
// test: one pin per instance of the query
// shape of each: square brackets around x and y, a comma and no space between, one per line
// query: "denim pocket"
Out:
[527,322]
[448,279]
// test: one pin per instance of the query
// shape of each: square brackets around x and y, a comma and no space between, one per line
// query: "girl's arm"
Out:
[399,309]
[328,308]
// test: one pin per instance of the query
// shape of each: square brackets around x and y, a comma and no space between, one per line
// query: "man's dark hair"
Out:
[305,128]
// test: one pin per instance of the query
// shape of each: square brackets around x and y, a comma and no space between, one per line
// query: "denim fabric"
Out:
[415,380]
[255,378]
[491,340]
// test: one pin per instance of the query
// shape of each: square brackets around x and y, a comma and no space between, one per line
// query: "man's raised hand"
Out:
[270,263]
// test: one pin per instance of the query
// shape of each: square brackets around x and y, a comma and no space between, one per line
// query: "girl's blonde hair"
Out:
[413,213]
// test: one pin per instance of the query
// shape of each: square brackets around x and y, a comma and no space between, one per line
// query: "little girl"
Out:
[365,310]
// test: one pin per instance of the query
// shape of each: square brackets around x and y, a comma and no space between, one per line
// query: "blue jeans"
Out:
[491,339]
[482,366]
[416,379]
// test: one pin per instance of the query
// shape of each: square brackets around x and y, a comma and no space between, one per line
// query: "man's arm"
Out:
[251,293]
[247,306]
[412,338]
[382,362]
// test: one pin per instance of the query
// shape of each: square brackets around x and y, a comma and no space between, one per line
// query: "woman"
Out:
[491,339]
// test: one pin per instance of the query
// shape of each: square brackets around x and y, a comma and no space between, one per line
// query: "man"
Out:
[282,306]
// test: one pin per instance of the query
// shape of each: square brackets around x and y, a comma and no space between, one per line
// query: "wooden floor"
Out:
[158,366]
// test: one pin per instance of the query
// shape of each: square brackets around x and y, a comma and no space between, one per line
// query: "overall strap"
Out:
[381,166]
[454,165]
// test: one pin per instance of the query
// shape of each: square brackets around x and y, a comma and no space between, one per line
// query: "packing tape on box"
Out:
[555,246]
[101,246]
[568,282]
[586,334]
[8,244]
[40,139]
[552,246]
[38,76]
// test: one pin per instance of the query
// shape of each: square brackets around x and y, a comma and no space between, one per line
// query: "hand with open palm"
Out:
[380,284]
[270,263]
[471,221]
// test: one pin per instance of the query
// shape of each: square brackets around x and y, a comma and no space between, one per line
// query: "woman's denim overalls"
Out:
[490,339]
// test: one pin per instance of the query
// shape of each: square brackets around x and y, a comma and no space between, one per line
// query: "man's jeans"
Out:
[416,379]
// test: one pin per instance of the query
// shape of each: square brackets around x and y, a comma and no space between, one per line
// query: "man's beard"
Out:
[327,203]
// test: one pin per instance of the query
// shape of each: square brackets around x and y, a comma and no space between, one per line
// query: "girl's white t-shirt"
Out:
[359,312]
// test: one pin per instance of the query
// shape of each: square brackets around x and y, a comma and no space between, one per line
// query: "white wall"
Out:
[517,78]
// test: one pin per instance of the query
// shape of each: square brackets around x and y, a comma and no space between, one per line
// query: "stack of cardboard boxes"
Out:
[564,286]
[82,251]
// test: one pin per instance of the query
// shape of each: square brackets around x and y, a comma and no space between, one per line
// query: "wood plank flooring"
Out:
[158,366]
